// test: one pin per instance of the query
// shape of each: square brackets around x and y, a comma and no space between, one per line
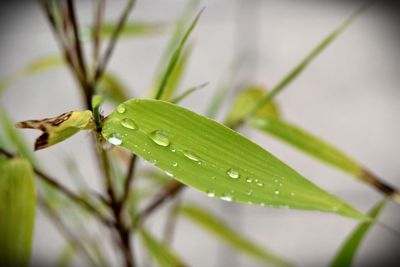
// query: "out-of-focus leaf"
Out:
[130,29]
[175,77]
[17,212]
[245,100]
[182,96]
[221,230]
[223,88]
[213,158]
[307,142]
[59,128]
[38,65]
[112,88]
[160,252]
[67,256]
[14,137]
[169,71]
[345,255]
[97,100]
[296,71]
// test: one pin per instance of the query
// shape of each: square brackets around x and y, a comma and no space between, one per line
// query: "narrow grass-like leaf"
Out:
[17,212]
[175,59]
[221,230]
[307,142]
[213,158]
[38,65]
[58,129]
[345,255]
[186,93]
[296,71]
[112,88]
[15,138]
[175,77]
[130,29]
[160,252]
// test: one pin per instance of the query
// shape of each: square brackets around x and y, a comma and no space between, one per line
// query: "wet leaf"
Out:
[17,212]
[160,252]
[214,159]
[345,255]
[59,128]
[221,230]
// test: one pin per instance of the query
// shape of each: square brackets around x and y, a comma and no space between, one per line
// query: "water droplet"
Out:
[262,204]
[173,149]
[249,192]
[128,123]
[169,174]
[292,194]
[226,198]
[276,192]
[121,108]
[114,140]
[174,164]
[234,174]
[260,184]
[191,155]
[249,180]
[160,138]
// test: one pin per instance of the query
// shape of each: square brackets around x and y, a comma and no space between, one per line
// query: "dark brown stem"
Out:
[98,22]
[170,224]
[129,179]
[169,191]
[110,48]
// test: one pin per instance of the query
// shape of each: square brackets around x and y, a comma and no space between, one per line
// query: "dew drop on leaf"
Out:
[128,123]
[211,193]
[226,198]
[191,155]
[234,174]
[160,138]
[169,174]
[249,180]
[276,192]
[174,164]
[121,108]
[114,140]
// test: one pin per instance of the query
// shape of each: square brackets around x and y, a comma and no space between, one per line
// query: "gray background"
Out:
[349,96]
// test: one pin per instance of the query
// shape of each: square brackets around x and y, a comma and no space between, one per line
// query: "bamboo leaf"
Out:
[36,66]
[245,100]
[130,29]
[213,158]
[221,230]
[307,142]
[345,255]
[58,129]
[17,212]
[175,58]
[298,69]
[186,93]
[160,252]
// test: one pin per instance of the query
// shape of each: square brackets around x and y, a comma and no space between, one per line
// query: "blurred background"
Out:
[349,96]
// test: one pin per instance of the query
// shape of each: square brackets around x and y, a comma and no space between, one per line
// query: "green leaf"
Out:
[167,76]
[186,93]
[130,29]
[14,137]
[58,129]
[213,158]
[245,100]
[345,255]
[221,230]
[38,65]
[307,142]
[175,76]
[17,212]
[112,88]
[298,69]
[161,253]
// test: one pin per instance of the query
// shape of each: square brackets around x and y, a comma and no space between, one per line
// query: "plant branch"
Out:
[106,57]
[128,180]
